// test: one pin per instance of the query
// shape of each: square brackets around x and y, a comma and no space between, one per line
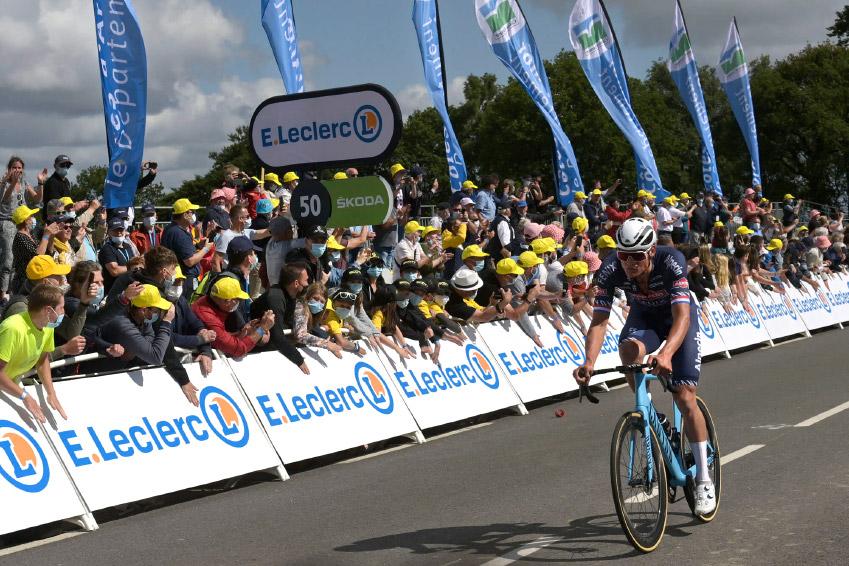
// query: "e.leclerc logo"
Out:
[478,368]
[567,351]
[824,300]
[753,316]
[369,389]
[483,368]
[22,461]
[705,325]
[221,415]
[366,125]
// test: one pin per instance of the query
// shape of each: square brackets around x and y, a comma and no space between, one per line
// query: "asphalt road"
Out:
[530,488]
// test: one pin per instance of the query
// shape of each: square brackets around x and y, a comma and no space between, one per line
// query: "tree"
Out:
[840,29]
[91,181]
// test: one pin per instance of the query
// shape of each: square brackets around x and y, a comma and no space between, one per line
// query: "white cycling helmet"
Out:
[635,235]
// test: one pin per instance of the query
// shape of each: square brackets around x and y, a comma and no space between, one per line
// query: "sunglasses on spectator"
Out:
[632,256]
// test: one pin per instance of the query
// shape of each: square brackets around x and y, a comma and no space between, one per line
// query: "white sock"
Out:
[700,454]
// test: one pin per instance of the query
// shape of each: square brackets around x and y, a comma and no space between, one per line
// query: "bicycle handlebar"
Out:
[623,369]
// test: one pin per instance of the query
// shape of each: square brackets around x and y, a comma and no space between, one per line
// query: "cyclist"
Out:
[655,280]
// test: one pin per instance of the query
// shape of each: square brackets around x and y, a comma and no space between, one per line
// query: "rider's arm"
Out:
[595,335]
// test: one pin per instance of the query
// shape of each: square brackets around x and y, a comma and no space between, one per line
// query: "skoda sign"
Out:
[326,128]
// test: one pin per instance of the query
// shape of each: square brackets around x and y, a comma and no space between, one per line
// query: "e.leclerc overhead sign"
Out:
[326,128]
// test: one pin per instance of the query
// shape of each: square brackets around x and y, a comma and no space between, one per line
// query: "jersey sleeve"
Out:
[605,284]
[675,276]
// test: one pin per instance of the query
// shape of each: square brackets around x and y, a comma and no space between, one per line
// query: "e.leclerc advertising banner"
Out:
[467,382]
[505,29]
[34,487]
[122,61]
[155,441]
[341,404]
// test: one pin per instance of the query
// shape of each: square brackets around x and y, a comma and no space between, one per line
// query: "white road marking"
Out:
[728,458]
[824,415]
[620,386]
[37,543]
[523,551]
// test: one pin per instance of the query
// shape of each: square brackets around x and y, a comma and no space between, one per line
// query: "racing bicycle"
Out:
[648,464]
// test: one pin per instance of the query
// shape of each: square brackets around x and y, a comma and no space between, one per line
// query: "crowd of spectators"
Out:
[240,275]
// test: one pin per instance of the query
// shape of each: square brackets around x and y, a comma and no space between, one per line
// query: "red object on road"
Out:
[559,413]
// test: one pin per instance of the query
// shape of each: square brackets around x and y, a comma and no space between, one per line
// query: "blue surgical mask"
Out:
[62,171]
[154,319]
[248,222]
[410,276]
[317,250]
[343,312]
[479,265]
[374,272]
[355,287]
[415,299]
[149,221]
[335,256]
[315,306]
[403,304]
[57,322]
[117,240]
[98,298]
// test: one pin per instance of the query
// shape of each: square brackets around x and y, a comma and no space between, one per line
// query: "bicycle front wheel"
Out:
[639,489]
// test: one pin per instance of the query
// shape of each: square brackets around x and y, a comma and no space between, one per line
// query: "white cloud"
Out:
[416,96]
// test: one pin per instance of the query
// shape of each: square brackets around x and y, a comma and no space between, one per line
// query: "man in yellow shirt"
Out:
[26,340]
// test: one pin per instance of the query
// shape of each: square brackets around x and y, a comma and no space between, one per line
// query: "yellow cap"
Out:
[597,192]
[580,225]
[541,246]
[605,243]
[788,196]
[428,230]
[474,251]
[649,195]
[469,185]
[744,231]
[395,169]
[22,213]
[178,273]
[529,259]
[671,199]
[66,201]
[332,244]
[412,226]
[256,179]
[508,267]
[580,194]
[576,268]
[683,196]
[718,224]
[273,178]
[150,297]
[764,199]
[552,243]
[803,228]
[228,288]
[290,176]
[42,266]
[183,205]
[339,176]
[775,244]
[275,202]
[641,193]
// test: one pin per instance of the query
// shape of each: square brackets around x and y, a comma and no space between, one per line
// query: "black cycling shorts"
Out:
[652,327]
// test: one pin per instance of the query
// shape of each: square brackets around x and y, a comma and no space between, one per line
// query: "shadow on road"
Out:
[598,537]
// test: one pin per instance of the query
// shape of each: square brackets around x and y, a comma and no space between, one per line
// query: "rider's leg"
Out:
[631,351]
[695,427]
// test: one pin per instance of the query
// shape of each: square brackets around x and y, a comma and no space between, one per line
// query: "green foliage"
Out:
[800,103]
[91,180]
[840,29]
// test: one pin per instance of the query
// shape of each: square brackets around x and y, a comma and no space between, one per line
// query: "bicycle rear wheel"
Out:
[714,463]
[641,504]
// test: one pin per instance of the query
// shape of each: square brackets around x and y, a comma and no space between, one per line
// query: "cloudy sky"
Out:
[209,63]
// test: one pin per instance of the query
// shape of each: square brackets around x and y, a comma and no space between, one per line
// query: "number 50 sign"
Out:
[342,203]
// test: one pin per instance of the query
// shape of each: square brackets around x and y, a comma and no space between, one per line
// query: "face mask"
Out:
[414,237]
[62,171]
[472,296]
[403,304]
[410,276]
[65,287]
[98,298]
[318,250]
[343,312]
[220,207]
[316,306]
[32,223]
[153,320]
[248,222]
[57,322]
[415,300]
[193,219]
[254,262]
[355,287]
[71,214]
[149,221]
[441,300]
[173,292]
[117,240]
[374,272]
[479,265]
[335,256]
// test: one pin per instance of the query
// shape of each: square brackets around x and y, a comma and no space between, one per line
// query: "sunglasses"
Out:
[632,256]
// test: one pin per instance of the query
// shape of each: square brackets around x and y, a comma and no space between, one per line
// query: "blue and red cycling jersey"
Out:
[667,283]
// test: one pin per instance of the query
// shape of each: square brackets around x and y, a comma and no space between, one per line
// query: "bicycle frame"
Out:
[677,474]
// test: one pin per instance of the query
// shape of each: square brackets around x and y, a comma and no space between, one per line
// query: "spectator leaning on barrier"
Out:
[26,341]
[219,311]
[384,315]
[281,299]
[461,304]
[338,309]
[309,310]
[178,238]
